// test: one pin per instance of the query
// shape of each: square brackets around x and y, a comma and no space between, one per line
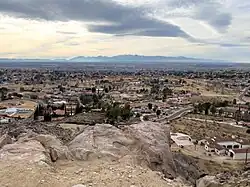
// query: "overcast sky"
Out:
[216,29]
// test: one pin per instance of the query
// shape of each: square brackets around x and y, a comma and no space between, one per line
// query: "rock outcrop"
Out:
[227,179]
[29,152]
[102,140]
[207,181]
[187,167]
[16,128]
[55,147]
[4,140]
[152,141]
[148,142]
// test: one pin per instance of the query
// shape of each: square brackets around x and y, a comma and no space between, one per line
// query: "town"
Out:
[207,112]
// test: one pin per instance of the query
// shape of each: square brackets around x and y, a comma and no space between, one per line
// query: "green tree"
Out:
[106,90]
[164,98]
[200,108]
[126,112]
[86,99]
[213,109]
[150,106]
[206,107]
[113,112]
[225,103]
[3,93]
[195,111]
[138,115]
[78,109]
[95,100]
[22,89]
[158,113]
[145,118]
[36,113]
[61,88]
[93,90]
[167,92]
[234,102]
[195,144]
[155,108]
[155,89]
[221,111]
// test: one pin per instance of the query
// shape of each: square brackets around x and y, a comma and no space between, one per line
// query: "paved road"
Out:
[177,114]
[241,96]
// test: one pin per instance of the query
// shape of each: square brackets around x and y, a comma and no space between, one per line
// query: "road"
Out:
[241,96]
[173,116]
[177,114]
[219,122]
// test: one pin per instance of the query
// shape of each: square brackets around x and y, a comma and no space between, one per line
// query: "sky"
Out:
[214,29]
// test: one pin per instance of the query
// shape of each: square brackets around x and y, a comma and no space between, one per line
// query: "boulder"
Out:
[4,140]
[208,181]
[102,140]
[54,147]
[187,167]
[147,142]
[152,141]
[28,152]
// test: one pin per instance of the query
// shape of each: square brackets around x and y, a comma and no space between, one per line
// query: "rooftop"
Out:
[246,150]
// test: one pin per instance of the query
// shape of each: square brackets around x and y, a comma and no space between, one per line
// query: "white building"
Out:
[181,139]
[220,147]
[230,144]
[239,154]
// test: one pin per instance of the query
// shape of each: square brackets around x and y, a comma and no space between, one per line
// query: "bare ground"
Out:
[98,173]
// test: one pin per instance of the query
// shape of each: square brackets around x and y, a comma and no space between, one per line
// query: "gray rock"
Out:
[209,181]
[148,142]
[30,152]
[100,141]
[54,147]
[152,141]
[4,140]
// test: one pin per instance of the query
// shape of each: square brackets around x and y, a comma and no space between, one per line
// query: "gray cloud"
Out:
[141,26]
[210,11]
[230,45]
[221,44]
[212,14]
[122,20]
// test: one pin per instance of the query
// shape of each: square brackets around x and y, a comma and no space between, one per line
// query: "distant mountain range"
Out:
[118,58]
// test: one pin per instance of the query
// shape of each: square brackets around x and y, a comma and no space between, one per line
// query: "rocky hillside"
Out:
[227,179]
[95,155]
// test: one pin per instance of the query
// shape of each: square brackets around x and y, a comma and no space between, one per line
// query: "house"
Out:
[59,112]
[4,120]
[220,147]
[220,150]
[229,144]
[239,154]
[210,146]
[181,139]
[244,143]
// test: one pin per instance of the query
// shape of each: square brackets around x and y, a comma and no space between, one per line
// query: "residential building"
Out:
[239,154]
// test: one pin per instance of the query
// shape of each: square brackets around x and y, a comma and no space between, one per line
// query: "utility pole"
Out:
[246,156]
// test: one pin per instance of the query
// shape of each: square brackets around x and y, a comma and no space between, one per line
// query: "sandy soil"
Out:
[200,130]
[97,173]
